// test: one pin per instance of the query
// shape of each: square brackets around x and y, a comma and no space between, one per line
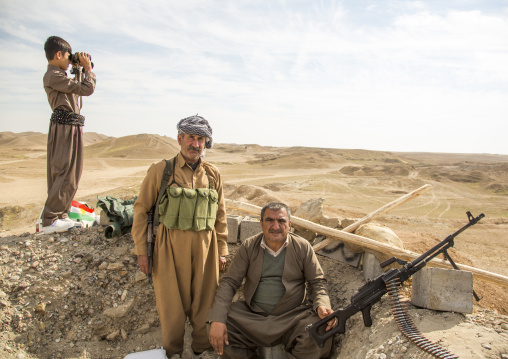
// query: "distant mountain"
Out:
[135,146]
[29,141]
[37,141]
[94,137]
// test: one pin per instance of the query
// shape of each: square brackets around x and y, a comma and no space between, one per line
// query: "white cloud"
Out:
[274,71]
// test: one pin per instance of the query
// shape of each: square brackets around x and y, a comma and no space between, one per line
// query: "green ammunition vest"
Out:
[188,208]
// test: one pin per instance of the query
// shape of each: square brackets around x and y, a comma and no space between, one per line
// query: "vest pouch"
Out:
[163,205]
[201,211]
[213,206]
[173,198]
[187,208]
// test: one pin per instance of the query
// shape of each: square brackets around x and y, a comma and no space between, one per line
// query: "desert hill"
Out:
[56,289]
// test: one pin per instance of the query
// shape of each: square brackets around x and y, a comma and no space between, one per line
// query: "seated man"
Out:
[276,266]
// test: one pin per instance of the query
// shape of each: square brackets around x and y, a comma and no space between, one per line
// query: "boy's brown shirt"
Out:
[63,92]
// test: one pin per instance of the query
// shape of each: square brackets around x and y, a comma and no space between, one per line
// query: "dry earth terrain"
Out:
[79,295]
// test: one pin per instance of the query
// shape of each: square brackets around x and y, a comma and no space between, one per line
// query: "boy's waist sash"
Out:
[67,118]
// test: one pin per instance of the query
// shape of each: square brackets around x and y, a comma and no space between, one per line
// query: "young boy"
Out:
[65,135]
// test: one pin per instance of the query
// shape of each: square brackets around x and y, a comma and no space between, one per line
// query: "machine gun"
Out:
[150,239]
[371,292]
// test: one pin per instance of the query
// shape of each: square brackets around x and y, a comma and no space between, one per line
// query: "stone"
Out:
[305,233]
[120,311]
[113,335]
[233,228]
[115,266]
[142,329]
[332,222]
[41,308]
[104,219]
[443,289]
[346,222]
[139,276]
[123,334]
[311,210]
[249,228]
[377,233]
[103,265]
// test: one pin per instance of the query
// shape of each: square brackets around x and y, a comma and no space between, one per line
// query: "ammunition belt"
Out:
[407,326]
[67,118]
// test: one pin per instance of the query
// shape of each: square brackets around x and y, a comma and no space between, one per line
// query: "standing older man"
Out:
[276,265]
[189,251]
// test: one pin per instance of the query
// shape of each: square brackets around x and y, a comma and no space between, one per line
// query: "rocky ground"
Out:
[79,295]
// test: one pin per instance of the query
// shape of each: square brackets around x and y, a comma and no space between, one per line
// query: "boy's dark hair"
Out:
[54,44]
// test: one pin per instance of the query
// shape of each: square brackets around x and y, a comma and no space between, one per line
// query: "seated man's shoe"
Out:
[57,226]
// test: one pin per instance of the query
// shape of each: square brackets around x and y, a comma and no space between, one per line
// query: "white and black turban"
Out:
[196,125]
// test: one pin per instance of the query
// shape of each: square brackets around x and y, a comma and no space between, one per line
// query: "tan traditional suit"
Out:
[185,263]
[248,325]
[65,142]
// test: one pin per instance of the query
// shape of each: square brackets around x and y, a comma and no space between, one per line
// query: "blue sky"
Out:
[425,76]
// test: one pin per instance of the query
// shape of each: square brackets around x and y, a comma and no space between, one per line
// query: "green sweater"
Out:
[270,288]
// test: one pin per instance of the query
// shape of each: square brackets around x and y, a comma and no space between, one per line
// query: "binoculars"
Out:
[74,58]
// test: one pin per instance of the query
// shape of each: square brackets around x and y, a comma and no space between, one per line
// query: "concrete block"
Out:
[233,228]
[248,228]
[338,251]
[443,289]
[276,352]
[371,266]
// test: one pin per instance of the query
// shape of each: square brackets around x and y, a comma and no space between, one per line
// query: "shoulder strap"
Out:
[164,183]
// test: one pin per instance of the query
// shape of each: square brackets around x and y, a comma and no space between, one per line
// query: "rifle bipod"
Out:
[407,326]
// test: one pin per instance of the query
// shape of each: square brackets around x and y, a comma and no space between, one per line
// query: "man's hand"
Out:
[218,336]
[84,60]
[323,312]
[222,263]
[143,263]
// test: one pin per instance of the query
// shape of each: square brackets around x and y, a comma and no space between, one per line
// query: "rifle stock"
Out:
[372,291]
[150,240]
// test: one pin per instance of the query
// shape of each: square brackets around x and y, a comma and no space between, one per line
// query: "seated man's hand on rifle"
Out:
[143,263]
[218,336]
[323,312]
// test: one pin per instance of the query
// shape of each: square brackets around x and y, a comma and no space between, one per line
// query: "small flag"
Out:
[81,212]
